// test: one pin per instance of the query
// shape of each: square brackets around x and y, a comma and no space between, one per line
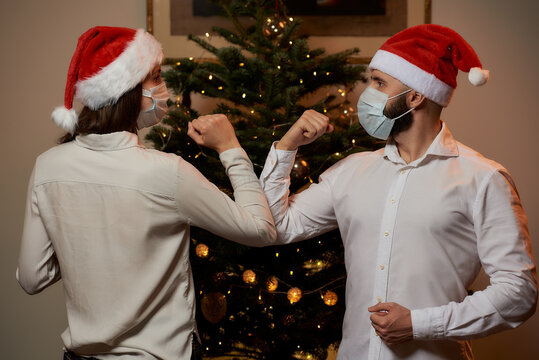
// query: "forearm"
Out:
[497,308]
[249,196]
[301,216]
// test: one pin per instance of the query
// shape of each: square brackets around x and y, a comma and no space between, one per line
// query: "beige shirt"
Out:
[111,218]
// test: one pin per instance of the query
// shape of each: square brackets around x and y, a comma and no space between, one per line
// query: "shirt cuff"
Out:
[280,162]
[427,324]
[232,156]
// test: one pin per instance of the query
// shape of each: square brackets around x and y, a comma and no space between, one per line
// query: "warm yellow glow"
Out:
[243,95]
[242,64]
[207,34]
[294,295]
[330,298]
[249,276]
[202,250]
[178,63]
[210,77]
[272,283]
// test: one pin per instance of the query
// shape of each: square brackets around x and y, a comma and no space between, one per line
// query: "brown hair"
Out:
[120,116]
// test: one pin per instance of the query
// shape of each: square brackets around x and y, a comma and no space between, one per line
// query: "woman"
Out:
[112,218]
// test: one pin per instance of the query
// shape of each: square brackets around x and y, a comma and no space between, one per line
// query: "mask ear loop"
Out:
[402,93]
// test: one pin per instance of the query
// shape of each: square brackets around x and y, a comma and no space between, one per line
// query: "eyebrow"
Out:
[376,78]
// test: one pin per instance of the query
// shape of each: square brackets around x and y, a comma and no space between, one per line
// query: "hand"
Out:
[214,132]
[392,322]
[309,127]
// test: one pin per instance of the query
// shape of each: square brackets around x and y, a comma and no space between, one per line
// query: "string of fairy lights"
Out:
[294,293]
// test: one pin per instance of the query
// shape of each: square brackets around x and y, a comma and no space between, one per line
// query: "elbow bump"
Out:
[268,235]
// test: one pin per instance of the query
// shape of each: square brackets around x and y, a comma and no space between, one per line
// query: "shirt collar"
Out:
[444,145]
[112,141]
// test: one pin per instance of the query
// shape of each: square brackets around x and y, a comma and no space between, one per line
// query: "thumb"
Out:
[193,134]
[330,128]
[379,307]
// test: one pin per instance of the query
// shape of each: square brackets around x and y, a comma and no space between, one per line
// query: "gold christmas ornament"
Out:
[213,306]
[294,295]
[249,276]
[275,26]
[272,283]
[202,250]
[330,298]
[300,169]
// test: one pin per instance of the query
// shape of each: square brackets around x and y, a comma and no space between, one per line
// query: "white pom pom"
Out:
[478,76]
[64,118]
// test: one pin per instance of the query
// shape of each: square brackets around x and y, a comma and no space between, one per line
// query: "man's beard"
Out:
[397,108]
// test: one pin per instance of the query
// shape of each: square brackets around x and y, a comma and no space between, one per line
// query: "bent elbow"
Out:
[30,286]
[267,235]
[523,306]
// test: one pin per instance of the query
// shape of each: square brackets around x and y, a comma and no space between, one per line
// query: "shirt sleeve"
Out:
[504,247]
[246,220]
[303,215]
[38,266]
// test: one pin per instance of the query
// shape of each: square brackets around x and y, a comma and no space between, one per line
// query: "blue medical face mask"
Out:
[370,111]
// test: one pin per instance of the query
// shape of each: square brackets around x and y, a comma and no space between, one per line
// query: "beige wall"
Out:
[38,39]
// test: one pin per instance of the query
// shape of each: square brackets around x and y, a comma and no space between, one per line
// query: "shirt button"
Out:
[382,267]
[393,201]
[379,299]
[386,233]
[272,162]
[403,171]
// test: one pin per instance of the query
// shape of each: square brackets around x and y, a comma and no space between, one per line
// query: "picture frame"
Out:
[158,23]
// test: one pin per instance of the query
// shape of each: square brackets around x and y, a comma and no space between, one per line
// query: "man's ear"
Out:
[416,99]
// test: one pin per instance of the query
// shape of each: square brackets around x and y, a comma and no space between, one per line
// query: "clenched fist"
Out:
[214,132]
[392,322]
[309,127]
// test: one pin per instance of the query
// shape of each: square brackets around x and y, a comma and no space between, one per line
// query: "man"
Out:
[419,217]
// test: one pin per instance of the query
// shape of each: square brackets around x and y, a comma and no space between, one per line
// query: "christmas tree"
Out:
[281,301]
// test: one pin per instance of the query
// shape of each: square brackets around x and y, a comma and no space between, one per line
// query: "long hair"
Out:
[120,116]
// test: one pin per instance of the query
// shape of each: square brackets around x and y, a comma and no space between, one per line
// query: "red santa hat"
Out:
[427,59]
[108,62]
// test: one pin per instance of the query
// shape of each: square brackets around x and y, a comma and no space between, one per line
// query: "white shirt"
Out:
[112,219]
[416,234]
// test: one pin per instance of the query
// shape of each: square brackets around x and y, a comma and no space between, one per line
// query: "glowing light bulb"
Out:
[202,250]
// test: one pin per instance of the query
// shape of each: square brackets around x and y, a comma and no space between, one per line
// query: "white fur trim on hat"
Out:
[65,118]
[412,76]
[124,73]
[478,76]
